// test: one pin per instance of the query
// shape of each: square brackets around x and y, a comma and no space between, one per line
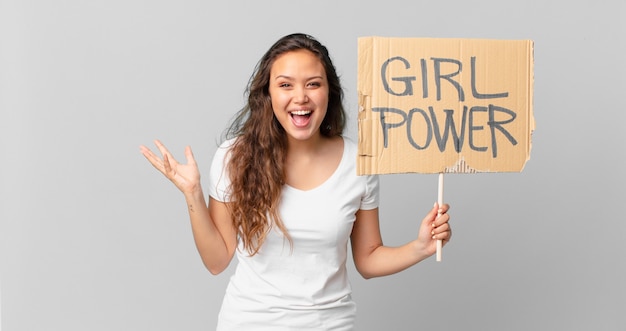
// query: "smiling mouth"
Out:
[300,113]
[301,117]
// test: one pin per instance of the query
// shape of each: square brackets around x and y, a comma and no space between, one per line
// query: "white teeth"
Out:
[301,112]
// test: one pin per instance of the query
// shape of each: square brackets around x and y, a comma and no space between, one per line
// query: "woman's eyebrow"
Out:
[291,78]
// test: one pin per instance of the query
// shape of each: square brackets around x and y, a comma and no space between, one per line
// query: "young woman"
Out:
[285,198]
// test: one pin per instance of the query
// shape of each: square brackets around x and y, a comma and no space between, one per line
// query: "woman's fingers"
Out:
[186,177]
[167,166]
[443,208]
[152,158]
[189,156]
[441,229]
[162,148]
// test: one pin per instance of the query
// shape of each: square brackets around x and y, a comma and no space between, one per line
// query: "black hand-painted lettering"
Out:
[408,86]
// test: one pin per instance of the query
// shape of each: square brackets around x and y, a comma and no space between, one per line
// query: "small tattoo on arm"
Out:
[191,208]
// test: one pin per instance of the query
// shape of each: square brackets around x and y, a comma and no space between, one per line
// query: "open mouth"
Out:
[301,117]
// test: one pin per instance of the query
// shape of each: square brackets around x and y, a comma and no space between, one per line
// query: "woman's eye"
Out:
[284,85]
[315,84]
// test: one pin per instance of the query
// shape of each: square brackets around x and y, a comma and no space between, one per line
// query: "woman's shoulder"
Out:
[349,145]
[227,143]
[348,141]
[221,155]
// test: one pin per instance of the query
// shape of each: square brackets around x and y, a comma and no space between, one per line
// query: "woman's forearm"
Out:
[209,240]
[385,260]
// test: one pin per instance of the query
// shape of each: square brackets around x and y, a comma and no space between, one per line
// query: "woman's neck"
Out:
[310,146]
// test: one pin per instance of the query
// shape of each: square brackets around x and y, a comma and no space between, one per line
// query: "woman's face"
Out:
[298,89]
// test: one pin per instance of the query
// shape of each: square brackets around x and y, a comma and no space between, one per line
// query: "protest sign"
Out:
[444,106]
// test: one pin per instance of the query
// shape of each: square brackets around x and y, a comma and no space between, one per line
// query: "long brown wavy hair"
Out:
[257,157]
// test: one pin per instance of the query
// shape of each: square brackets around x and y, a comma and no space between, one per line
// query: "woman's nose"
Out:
[301,95]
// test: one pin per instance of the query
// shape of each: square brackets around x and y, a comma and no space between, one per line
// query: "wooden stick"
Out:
[440,202]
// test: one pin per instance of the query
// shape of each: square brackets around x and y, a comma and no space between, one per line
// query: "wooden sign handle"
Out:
[440,202]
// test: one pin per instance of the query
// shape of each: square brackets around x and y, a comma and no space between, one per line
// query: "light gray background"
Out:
[93,238]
